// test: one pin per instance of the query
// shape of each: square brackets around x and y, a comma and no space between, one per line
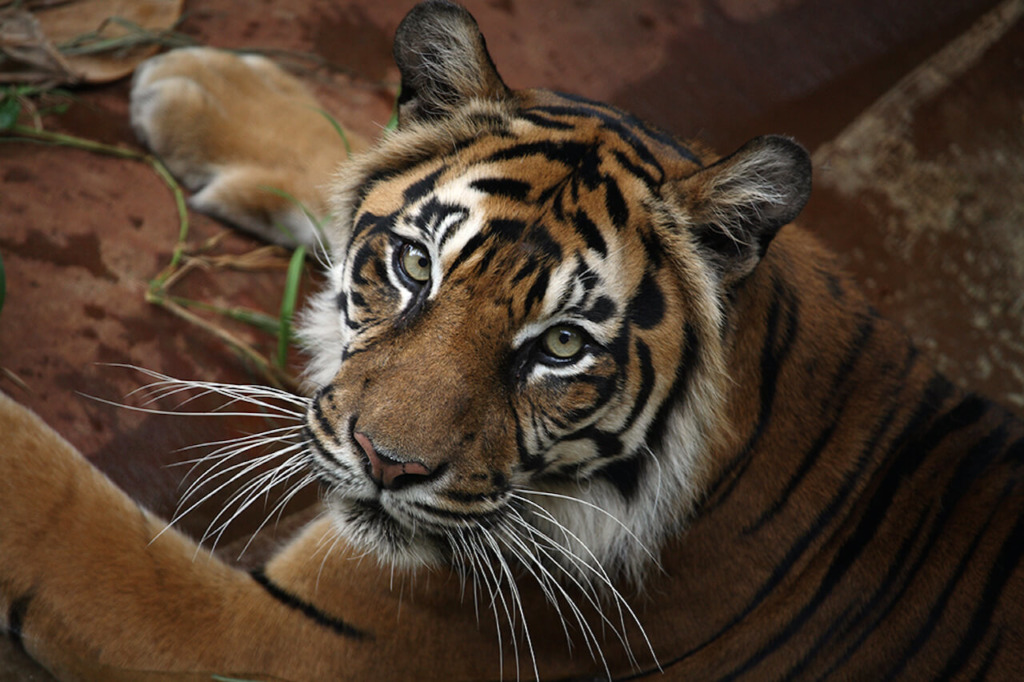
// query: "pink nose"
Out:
[387,472]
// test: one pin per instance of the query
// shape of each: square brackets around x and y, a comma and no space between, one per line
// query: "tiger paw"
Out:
[247,138]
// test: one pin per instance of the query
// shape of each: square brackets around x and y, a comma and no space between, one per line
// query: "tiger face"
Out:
[520,349]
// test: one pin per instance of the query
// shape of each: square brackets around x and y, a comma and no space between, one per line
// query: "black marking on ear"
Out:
[16,621]
[647,309]
[308,610]
[739,204]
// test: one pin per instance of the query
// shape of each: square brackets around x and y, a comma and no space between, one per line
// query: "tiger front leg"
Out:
[248,139]
[92,589]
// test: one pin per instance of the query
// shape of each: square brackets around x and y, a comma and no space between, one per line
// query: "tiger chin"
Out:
[582,403]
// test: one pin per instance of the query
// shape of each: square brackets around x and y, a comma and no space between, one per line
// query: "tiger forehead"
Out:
[531,202]
[533,150]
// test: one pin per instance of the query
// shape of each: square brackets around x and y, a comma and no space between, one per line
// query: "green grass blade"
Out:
[253,318]
[393,121]
[10,110]
[338,129]
[288,300]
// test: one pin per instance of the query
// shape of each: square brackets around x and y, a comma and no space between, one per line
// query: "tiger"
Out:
[583,404]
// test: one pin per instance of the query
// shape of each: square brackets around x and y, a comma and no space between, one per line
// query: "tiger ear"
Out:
[736,206]
[444,62]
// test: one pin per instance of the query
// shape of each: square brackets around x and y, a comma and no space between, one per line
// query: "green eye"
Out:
[563,342]
[415,262]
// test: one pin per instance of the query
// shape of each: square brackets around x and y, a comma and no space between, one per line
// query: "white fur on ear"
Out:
[735,207]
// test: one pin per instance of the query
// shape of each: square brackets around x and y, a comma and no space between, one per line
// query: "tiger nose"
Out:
[387,472]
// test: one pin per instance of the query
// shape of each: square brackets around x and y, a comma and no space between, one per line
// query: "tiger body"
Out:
[569,383]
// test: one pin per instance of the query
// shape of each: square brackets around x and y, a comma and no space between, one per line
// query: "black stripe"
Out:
[989,659]
[1015,452]
[680,384]
[421,156]
[16,621]
[470,247]
[421,187]
[647,308]
[536,293]
[495,124]
[625,474]
[305,608]
[648,130]
[544,122]
[647,380]
[879,507]
[832,419]
[602,310]
[615,204]
[325,425]
[623,125]
[363,256]
[1002,570]
[637,171]
[784,312]
[506,230]
[938,608]
[938,389]
[540,237]
[869,605]
[590,232]
[503,187]
[488,518]
[569,154]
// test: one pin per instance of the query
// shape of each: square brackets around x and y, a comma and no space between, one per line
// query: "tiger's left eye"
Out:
[563,342]
[415,262]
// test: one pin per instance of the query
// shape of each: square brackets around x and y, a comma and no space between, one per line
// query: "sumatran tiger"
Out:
[582,406]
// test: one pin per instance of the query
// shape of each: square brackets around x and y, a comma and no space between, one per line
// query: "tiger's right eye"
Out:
[415,263]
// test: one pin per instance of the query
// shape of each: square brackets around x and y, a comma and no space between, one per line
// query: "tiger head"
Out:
[521,350]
